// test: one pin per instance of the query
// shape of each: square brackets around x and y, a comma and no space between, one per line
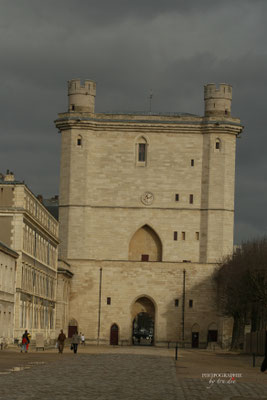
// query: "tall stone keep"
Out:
[146,211]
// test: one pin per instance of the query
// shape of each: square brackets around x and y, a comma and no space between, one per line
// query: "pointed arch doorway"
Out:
[114,335]
[143,322]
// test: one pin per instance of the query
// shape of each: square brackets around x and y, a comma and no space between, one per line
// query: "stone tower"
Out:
[146,211]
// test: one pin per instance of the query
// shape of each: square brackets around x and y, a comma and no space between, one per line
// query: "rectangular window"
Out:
[191,303]
[183,235]
[145,257]
[176,302]
[142,152]
[177,197]
[108,300]
[197,235]
[175,235]
[192,163]
[79,142]
[191,199]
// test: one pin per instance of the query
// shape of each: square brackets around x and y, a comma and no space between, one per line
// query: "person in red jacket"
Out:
[25,341]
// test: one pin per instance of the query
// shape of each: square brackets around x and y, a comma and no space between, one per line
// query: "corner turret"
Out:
[81,97]
[217,101]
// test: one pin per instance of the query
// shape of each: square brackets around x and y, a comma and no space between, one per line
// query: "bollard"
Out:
[254,358]
[176,352]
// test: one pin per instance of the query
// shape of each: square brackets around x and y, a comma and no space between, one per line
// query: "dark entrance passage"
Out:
[114,335]
[212,336]
[143,322]
[195,340]
[143,329]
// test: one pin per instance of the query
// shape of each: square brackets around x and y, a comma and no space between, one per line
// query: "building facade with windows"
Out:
[146,211]
[8,266]
[30,230]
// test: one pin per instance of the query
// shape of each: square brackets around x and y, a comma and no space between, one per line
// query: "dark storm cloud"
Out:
[129,47]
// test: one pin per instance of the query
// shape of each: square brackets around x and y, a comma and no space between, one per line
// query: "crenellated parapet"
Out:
[217,100]
[81,97]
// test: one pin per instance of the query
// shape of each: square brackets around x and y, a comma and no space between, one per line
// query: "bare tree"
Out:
[242,288]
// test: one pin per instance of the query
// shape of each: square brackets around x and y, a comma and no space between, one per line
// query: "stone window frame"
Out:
[142,139]
[218,145]
[79,141]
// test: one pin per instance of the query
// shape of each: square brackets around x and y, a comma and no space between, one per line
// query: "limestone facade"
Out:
[8,265]
[29,229]
[146,211]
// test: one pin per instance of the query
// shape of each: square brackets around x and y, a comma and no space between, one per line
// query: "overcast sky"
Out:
[173,47]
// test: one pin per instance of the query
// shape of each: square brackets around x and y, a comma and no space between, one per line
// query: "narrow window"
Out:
[191,199]
[176,302]
[192,163]
[217,144]
[142,152]
[175,235]
[177,197]
[191,303]
[183,235]
[197,235]
[145,257]
[108,300]
[79,142]
[73,107]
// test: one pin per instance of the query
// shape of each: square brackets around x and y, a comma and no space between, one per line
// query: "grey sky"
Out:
[129,47]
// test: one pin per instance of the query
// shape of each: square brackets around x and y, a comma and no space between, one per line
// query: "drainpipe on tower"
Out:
[99,305]
[183,306]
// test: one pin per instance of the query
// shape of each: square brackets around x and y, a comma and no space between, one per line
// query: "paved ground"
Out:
[128,373]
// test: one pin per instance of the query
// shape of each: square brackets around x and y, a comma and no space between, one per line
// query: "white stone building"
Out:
[29,229]
[8,264]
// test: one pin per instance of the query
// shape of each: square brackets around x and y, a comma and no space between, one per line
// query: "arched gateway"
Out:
[143,321]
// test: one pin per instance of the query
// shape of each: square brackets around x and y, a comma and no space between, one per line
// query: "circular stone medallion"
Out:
[147,198]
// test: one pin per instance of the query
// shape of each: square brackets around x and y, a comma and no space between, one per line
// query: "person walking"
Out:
[83,338]
[75,340]
[61,341]
[25,342]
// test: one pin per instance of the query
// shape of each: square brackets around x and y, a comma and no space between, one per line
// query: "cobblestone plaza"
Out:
[103,373]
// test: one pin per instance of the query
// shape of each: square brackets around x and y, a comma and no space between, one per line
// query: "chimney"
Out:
[9,177]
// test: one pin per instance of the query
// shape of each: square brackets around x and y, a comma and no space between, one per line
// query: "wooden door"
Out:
[114,335]
[72,330]
[195,340]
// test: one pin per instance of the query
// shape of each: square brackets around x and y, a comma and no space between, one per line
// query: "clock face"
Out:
[147,198]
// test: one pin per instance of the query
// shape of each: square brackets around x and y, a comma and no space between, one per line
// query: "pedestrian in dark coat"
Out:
[75,340]
[61,341]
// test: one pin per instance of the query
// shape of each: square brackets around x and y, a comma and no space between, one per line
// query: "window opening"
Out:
[175,235]
[183,235]
[108,300]
[145,257]
[217,144]
[177,197]
[176,302]
[192,163]
[142,152]
[191,199]
[191,303]
[197,235]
